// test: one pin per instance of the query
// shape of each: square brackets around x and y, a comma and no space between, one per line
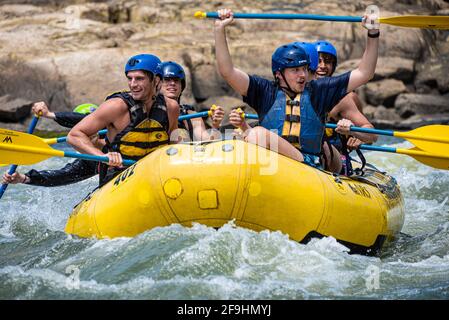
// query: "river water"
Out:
[39,261]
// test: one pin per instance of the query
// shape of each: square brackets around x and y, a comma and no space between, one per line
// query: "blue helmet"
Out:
[289,56]
[326,47]
[171,69]
[311,51]
[146,62]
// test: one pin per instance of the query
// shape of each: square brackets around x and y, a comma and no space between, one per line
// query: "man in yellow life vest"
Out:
[293,108]
[137,120]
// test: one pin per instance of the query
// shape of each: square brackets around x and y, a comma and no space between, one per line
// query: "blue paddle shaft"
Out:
[76,155]
[289,16]
[64,139]
[193,115]
[365,130]
[377,148]
[13,167]
[251,116]
[181,118]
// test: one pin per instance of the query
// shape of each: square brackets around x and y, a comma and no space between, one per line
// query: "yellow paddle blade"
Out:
[426,22]
[437,161]
[433,138]
[20,148]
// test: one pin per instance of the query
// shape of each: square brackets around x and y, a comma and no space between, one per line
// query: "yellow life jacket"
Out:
[292,123]
[145,132]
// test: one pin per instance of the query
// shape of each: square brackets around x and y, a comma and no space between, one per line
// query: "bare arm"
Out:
[173,113]
[236,78]
[199,128]
[348,110]
[367,66]
[42,109]
[106,115]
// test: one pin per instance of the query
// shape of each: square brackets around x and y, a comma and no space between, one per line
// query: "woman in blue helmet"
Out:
[346,113]
[72,172]
[173,84]
[137,120]
[290,106]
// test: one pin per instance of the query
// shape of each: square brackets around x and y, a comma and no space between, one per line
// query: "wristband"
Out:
[376,35]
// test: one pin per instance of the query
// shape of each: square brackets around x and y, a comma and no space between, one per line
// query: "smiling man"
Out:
[291,110]
[137,120]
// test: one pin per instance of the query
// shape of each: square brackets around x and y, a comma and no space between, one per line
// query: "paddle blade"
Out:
[433,138]
[434,161]
[424,22]
[21,148]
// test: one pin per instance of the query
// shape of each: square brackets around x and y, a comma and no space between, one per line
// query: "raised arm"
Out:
[367,66]
[236,78]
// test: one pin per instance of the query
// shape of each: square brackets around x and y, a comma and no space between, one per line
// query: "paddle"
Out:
[426,22]
[432,138]
[51,141]
[438,145]
[13,167]
[202,114]
[437,161]
[22,148]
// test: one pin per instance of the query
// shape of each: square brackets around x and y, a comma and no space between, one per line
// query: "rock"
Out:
[385,114]
[387,68]
[14,109]
[394,68]
[426,119]
[9,11]
[91,11]
[207,83]
[88,76]
[65,56]
[409,104]
[369,111]
[119,11]
[346,66]
[18,79]
[412,122]
[433,73]
[145,14]
[384,92]
[409,43]
[434,5]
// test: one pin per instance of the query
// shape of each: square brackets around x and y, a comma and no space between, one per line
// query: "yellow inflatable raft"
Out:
[260,189]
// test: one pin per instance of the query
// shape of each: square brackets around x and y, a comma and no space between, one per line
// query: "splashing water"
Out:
[39,261]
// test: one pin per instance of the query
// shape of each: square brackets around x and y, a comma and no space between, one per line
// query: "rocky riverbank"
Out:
[71,52]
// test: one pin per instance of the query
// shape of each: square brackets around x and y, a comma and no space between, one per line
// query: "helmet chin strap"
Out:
[289,90]
[156,84]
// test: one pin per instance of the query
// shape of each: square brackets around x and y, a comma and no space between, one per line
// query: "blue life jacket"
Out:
[312,123]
